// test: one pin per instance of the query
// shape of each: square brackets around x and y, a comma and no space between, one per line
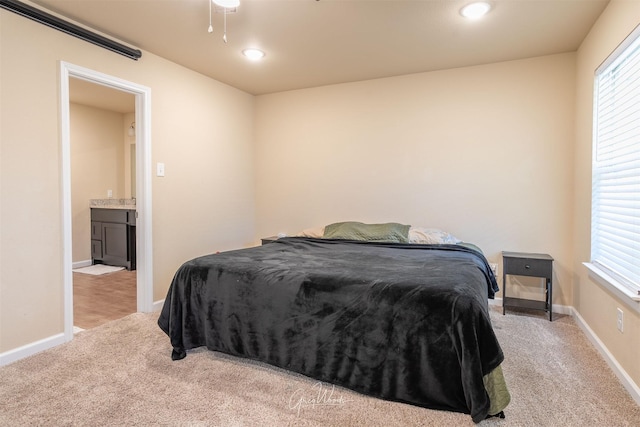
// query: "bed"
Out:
[400,321]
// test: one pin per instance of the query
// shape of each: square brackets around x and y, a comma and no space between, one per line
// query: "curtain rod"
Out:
[69,28]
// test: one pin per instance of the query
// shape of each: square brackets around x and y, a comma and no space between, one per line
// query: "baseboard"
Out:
[45,344]
[618,370]
[496,301]
[157,305]
[31,349]
[560,309]
[80,264]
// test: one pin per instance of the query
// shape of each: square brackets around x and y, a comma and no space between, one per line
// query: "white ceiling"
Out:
[311,43]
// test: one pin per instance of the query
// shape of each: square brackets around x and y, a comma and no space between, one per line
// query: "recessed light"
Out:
[253,54]
[475,10]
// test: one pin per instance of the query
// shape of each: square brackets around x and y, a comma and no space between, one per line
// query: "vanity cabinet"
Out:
[113,237]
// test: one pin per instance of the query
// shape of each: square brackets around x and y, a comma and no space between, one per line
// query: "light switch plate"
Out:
[620,320]
[160,169]
[494,267]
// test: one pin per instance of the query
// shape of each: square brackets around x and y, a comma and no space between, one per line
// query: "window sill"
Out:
[611,284]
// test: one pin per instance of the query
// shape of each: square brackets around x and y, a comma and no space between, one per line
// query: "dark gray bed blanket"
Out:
[402,322]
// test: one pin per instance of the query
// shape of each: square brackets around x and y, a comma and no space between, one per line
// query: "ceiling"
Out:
[103,97]
[310,43]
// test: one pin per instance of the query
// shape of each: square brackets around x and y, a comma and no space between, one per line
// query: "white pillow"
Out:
[431,236]
[314,232]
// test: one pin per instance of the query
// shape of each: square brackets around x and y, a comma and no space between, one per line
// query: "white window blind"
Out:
[615,220]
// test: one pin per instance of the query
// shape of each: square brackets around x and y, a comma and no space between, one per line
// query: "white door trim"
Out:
[143,185]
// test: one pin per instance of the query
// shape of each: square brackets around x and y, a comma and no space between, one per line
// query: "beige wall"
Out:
[483,152]
[595,304]
[201,129]
[97,165]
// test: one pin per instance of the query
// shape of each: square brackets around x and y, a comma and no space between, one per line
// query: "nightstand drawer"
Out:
[527,267]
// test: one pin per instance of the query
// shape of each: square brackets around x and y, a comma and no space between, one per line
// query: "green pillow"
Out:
[350,230]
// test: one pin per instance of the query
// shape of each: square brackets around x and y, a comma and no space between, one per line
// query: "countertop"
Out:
[129,204]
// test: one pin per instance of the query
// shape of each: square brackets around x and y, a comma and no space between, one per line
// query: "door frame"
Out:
[144,246]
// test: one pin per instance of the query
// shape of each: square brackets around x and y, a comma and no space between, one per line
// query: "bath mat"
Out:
[98,269]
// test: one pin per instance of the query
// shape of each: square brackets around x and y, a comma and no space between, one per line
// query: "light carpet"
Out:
[98,269]
[122,374]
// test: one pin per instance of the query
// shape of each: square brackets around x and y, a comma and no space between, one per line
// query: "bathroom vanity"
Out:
[113,234]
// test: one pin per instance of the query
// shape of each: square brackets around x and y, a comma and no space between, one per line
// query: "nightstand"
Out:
[527,264]
[269,239]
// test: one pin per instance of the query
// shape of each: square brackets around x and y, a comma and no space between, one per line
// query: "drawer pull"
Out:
[527,266]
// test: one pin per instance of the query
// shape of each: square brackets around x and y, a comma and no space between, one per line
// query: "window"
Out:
[615,214]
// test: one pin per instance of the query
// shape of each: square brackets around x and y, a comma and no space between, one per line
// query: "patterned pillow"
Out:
[431,236]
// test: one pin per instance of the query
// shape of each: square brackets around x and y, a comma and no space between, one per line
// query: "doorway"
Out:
[102,131]
[142,94]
